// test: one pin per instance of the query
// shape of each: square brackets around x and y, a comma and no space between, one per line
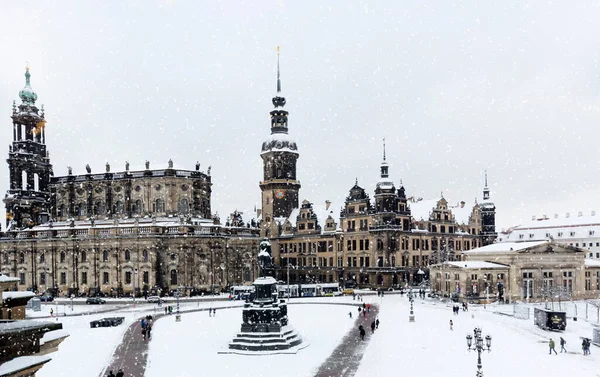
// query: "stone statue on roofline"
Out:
[147,165]
[126,165]
[107,167]
[88,168]
[170,164]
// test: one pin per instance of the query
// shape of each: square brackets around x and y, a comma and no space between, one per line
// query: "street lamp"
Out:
[411,317]
[479,346]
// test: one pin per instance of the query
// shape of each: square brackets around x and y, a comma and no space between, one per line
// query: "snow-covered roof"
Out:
[421,209]
[17,294]
[461,215]
[264,280]
[385,183]
[476,264]
[322,211]
[559,228]
[7,279]
[53,335]
[20,363]
[592,262]
[504,247]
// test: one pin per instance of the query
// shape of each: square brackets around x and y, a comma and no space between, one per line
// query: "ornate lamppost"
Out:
[411,317]
[479,346]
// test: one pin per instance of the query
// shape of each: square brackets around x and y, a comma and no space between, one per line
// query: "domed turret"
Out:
[28,96]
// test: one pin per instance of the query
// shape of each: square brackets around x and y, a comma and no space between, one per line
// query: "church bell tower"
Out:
[279,186]
[28,199]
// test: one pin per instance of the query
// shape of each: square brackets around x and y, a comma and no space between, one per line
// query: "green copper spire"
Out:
[28,96]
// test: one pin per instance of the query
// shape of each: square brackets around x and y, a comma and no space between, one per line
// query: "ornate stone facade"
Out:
[162,192]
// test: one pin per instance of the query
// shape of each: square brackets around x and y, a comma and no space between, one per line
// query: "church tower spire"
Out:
[279,153]
[486,190]
[384,165]
[28,199]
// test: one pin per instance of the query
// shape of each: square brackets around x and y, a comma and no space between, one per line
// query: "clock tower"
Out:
[279,153]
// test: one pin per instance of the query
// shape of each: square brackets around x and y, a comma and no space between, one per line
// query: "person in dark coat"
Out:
[111,374]
[377,323]
[362,332]
[373,327]
[562,344]
[120,373]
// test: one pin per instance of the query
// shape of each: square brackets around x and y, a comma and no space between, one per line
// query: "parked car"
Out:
[348,291]
[46,298]
[153,299]
[95,300]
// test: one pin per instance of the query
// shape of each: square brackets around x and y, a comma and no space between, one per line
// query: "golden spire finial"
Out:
[277,50]
[27,65]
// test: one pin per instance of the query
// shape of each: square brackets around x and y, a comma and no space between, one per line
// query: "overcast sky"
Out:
[455,88]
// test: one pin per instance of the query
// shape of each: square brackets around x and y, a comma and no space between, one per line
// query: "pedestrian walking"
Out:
[166,310]
[120,373]
[377,323]
[210,312]
[373,327]
[562,345]
[359,309]
[364,313]
[361,331]
[368,308]
[111,374]
[451,325]
[51,312]
[551,345]
[350,315]
[364,306]
[214,312]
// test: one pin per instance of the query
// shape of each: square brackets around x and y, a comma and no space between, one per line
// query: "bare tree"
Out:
[556,293]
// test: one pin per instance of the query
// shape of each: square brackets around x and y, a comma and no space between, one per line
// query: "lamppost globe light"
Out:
[469,340]
[488,341]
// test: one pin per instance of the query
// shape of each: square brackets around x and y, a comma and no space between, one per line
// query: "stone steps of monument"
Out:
[253,346]
[259,335]
[271,340]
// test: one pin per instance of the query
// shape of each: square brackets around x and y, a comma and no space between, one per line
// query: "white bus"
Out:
[239,292]
[331,289]
[282,290]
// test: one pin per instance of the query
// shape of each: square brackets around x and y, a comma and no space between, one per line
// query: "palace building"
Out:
[389,240]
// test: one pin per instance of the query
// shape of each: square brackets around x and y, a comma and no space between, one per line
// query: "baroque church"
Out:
[114,233]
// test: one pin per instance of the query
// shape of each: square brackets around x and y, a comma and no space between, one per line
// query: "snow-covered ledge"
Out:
[23,366]
[51,340]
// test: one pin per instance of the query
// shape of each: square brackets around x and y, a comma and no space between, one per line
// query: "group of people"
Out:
[212,312]
[585,345]
[422,293]
[380,293]
[365,308]
[119,374]
[168,309]
[374,326]
[147,327]
[356,297]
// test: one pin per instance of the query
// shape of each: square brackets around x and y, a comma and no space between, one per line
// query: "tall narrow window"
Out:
[127,255]
[105,255]
[146,277]
[183,206]
[145,255]
[173,277]
[105,277]
[63,256]
[83,256]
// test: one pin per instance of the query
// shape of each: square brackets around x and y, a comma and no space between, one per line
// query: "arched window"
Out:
[183,206]
[22,257]
[137,208]
[246,274]
[105,255]
[36,182]
[127,255]
[159,205]
[173,256]
[145,255]
[81,209]
[83,256]
[119,207]
[173,277]
[100,208]
[23,180]
[63,256]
